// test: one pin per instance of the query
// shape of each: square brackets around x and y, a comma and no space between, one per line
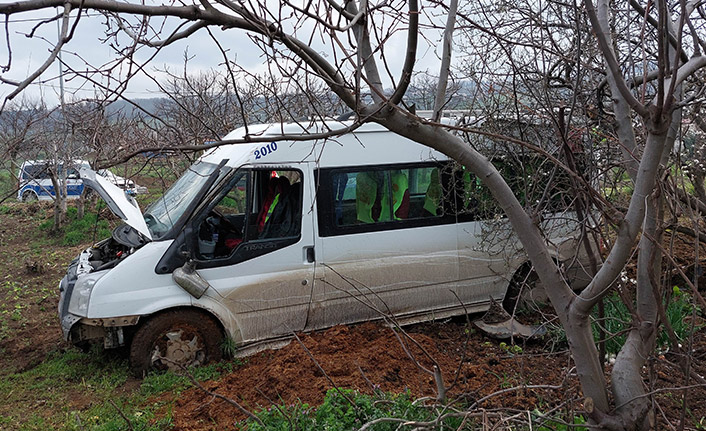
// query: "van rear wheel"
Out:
[525,291]
[175,339]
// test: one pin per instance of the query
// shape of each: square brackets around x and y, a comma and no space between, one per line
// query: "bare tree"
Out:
[348,47]
[200,108]
[17,125]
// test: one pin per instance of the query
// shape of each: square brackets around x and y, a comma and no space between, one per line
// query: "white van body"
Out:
[333,268]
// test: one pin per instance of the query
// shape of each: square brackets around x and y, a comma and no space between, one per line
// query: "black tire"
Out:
[518,293]
[29,197]
[175,339]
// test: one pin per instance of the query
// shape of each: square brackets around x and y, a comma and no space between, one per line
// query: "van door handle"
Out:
[310,254]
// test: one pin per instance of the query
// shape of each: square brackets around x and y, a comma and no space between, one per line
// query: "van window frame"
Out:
[249,248]
[326,205]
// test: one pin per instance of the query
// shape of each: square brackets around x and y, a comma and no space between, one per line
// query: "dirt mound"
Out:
[368,357]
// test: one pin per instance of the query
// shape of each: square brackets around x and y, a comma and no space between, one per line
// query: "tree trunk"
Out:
[575,321]
[633,406]
[81,206]
[59,202]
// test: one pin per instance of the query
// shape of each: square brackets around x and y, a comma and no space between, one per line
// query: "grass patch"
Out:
[337,413]
[550,423]
[8,184]
[62,369]
[156,383]
[86,391]
[617,320]
[79,230]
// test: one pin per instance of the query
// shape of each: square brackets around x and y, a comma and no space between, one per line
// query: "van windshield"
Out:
[164,212]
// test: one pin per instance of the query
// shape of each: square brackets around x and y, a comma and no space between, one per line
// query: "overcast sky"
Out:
[86,47]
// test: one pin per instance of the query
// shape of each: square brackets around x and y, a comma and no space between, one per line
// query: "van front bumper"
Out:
[78,330]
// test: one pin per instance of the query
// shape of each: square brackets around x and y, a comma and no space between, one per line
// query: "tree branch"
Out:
[63,38]
[603,36]
[440,99]
[410,58]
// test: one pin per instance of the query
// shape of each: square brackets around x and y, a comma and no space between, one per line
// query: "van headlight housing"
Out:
[81,294]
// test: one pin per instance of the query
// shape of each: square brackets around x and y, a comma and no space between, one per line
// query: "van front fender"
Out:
[215,307]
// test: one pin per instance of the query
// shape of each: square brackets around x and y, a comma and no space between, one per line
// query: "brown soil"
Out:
[370,356]
[29,278]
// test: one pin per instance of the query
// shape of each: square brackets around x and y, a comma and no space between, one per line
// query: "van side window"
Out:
[378,198]
[35,172]
[254,206]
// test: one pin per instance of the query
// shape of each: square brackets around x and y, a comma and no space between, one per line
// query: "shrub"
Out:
[82,230]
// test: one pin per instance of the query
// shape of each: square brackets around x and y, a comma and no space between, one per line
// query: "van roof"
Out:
[369,144]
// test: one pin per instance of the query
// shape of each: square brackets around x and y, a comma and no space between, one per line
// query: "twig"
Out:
[215,394]
[694,289]
[129,424]
[289,419]
[333,384]
[362,373]
[513,389]
[465,342]
[78,421]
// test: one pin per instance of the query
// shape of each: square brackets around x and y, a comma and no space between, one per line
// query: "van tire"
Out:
[29,196]
[175,339]
[524,290]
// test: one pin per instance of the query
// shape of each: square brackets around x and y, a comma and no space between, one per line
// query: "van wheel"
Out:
[28,197]
[175,339]
[524,291]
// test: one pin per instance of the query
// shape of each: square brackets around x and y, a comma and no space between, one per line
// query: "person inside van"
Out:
[284,218]
[374,192]
[365,196]
[277,188]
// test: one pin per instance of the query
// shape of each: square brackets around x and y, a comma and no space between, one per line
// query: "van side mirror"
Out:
[186,276]
[188,279]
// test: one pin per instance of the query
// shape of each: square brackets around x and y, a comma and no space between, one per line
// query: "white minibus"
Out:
[258,241]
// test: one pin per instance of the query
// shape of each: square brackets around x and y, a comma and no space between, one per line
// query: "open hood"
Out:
[121,204]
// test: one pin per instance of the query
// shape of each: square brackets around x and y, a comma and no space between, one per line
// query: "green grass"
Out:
[97,379]
[338,414]
[79,230]
[8,185]
[545,423]
[617,320]
[157,383]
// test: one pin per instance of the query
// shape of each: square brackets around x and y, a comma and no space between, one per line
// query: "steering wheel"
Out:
[228,224]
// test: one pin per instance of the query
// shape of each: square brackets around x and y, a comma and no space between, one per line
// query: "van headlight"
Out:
[78,305]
